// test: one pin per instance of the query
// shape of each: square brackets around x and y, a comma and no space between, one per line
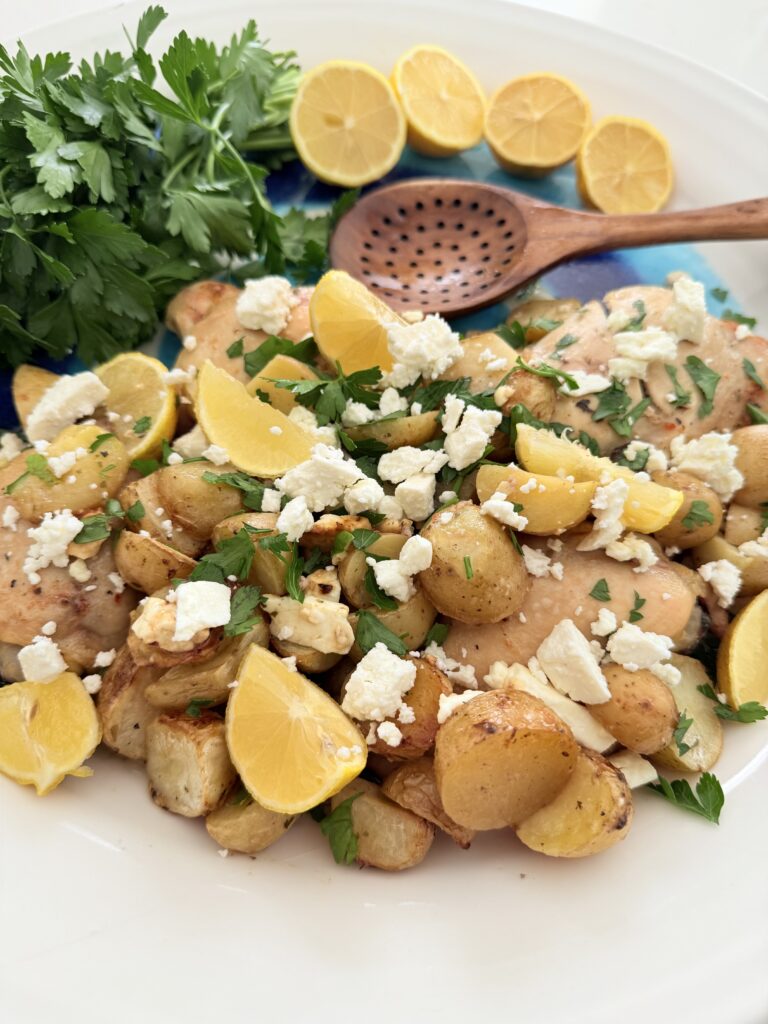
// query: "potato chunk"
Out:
[424,700]
[123,708]
[147,564]
[641,713]
[705,734]
[244,826]
[414,786]
[188,764]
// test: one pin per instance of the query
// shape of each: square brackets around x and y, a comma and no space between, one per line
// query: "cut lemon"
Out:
[624,166]
[743,655]
[143,401]
[349,323]
[47,730]
[346,123]
[536,123]
[281,368]
[291,743]
[649,507]
[259,440]
[442,100]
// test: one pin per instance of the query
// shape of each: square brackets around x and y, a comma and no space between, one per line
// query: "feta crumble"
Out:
[10,446]
[539,564]
[450,702]
[635,648]
[375,689]
[200,605]
[265,304]
[635,769]
[416,495]
[11,516]
[50,540]
[457,672]
[321,625]
[391,402]
[216,454]
[468,431]
[190,343]
[92,683]
[41,661]
[607,506]
[270,500]
[424,349]
[711,458]
[191,445]
[322,479]
[395,575]
[104,659]
[724,578]
[686,316]
[586,384]
[604,624]
[397,466]
[69,399]
[295,519]
[499,508]
[657,461]
[571,665]
[363,496]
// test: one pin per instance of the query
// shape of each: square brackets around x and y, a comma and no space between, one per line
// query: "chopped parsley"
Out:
[236,348]
[739,318]
[512,333]
[98,526]
[756,415]
[763,516]
[698,514]
[359,539]
[719,294]
[707,802]
[437,634]
[233,557]
[255,361]
[328,396]
[638,462]
[600,591]
[371,631]
[747,713]
[293,574]
[197,705]
[142,425]
[548,373]
[751,372]
[98,441]
[565,342]
[469,572]
[682,398]
[706,380]
[252,489]
[521,414]
[37,466]
[635,614]
[682,727]
[377,595]
[337,826]
[243,610]
[636,323]
[615,407]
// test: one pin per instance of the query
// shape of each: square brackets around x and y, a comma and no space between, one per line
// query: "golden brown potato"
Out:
[551,506]
[687,528]
[193,303]
[754,570]
[413,785]
[411,620]
[193,503]
[308,661]
[537,394]
[105,467]
[534,314]
[483,370]
[353,567]
[407,430]
[159,524]
[705,735]
[389,837]
[328,527]
[424,698]
[641,713]
[752,461]
[500,757]
[591,813]
[206,680]
[147,564]
[267,570]
[742,524]
[476,575]
[123,709]
[244,826]
[152,654]
[188,765]
[29,385]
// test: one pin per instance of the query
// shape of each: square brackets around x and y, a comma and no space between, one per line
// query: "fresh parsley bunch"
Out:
[116,189]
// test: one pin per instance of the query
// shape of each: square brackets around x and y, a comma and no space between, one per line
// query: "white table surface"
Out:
[731,37]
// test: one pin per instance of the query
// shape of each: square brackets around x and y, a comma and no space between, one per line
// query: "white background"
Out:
[730,36]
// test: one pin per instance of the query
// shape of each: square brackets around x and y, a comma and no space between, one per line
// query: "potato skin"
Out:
[591,813]
[193,503]
[123,709]
[705,735]
[389,837]
[500,757]
[188,765]
[408,430]
[752,461]
[411,620]
[147,492]
[474,365]
[147,564]
[424,699]
[641,713]
[535,393]
[267,571]
[353,567]
[413,785]
[676,533]
[742,524]
[244,826]
[499,580]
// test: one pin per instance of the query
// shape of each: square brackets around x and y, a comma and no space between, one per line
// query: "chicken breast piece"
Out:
[667,609]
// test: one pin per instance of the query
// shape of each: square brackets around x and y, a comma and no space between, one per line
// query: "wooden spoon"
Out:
[451,247]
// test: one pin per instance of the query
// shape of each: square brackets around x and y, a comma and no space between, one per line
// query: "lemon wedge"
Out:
[47,731]
[143,401]
[346,123]
[281,368]
[624,166]
[743,655]
[291,743]
[259,440]
[442,100]
[536,123]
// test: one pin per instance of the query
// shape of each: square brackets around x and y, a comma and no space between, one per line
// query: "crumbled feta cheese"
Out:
[391,402]
[322,479]
[265,304]
[10,446]
[657,460]
[755,548]
[466,441]
[275,431]
[61,464]
[604,624]
[424,349]
[607,506]
[538,563]
[635,769]
[686,315]
[395,575]
[571,666]
[48,628]
[464,675]
[633,548]
[321,625]
[363,496]
[67,400]
[586,384]
[356,414]
[307,420]
[41,661]
[390,507]
[174,459]
[375,689]
[742,332]
[167,527]
[190,343]
[78,570]
[270,500]
[444,518]
[192,444]
[104,659]
[711,458]
[450,702]
[417,496]
[637,349]
[666,673]
[179,376]
[289,662]
[397,466]
[216,454]
[632,646]
[11,516]
[416,408]
[92,683]
[200,605]
[504,511]
[50,540]
[117,582]
[724,578]
[390,734]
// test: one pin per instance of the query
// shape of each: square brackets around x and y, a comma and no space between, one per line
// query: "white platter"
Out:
[112,910]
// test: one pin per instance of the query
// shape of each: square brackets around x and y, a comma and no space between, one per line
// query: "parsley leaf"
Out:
[739,318]
[235,350]
[635,614]
[548,373]
[707,802]
[613,406]
[337,826]
[751,372]
[378,597]
[142,425]
[437,634]
[37,466]
[636,323]
[255,361]
[252,489]
[329,396]
[512,333]
[681,398]
[293,573]
[756,415]
[371,631]
[682,727]
[747,713]
[99,441]
[521,414]
[638,462]
[233,557]
[763,516]
[469,572]
[698,513]
[600,591]
[145,466]
[245,601]
[197,705]
[719,294]
[565,342]
[706,381]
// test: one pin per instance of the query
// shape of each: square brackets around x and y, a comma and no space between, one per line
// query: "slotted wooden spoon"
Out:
[451,247]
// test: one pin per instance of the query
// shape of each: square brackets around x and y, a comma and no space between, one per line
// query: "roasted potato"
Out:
[123,708]
[29,385]
[407,430]
[152,654]
[754,570]
[388,836]
[687,529]
[413,786]
[244,826]
[424,699]
[641,713]
[147,564]
[752,461]
[157,521]
[308,660]
[550,505]
[206,680]
[97,474]
[537,394]
[476,575]
[411,620]
[484,370]
[705,734]
[742,524]
[353,567]
[267,570]
[536,315]
[188,765]
[192,502]
[328,527]
[500,757]
[591,813]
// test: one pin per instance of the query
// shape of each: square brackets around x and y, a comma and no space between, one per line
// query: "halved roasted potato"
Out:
[147,564]
[244,826]
[411,621]
[29,385]
[123,709]
[698,518]
[353,567]
[188,765]
[267,569]
[413,785]
[641,713]
[424,700]
[705,734]
[406,430]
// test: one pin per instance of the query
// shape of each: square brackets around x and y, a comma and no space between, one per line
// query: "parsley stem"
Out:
[177,168]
